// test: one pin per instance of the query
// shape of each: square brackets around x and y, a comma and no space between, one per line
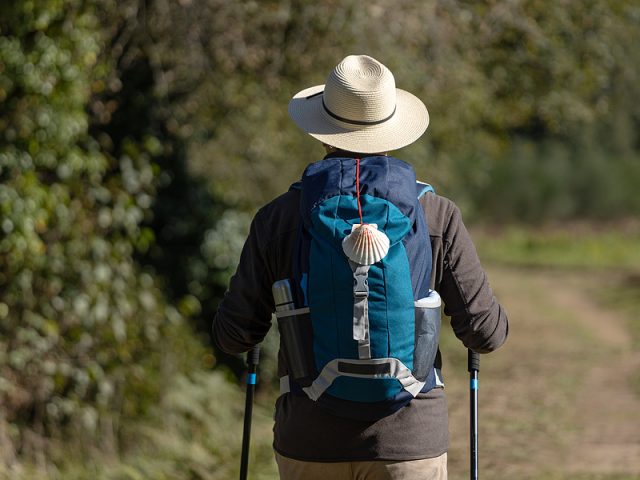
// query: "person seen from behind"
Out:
[367,253]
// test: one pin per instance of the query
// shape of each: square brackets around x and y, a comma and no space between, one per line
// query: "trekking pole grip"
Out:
[473,361]
[253,357]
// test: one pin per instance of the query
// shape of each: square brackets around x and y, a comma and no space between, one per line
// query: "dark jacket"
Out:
[302,429]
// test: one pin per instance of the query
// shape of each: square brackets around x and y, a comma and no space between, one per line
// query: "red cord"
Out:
[358,189]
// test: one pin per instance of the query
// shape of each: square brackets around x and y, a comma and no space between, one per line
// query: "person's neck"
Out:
[346,154]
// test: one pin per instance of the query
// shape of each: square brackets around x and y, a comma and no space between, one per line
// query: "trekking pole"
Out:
[474,368]
[252,363]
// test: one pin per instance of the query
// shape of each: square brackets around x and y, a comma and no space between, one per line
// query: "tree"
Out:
[87,340]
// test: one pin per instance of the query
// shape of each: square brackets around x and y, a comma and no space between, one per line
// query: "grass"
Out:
[195,435]
[611,248]
[604,262]
[623,296]
[570,246]
[578,476]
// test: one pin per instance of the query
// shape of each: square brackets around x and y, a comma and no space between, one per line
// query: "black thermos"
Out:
[292,324]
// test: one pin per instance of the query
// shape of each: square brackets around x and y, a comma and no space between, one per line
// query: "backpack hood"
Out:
[384,196]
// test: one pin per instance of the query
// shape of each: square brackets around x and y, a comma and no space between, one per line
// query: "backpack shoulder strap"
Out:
[422,188]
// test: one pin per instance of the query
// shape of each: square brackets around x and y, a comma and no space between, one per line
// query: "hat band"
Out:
[346,120]
[356,122]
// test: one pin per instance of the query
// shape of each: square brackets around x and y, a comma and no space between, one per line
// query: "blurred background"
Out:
[138,138]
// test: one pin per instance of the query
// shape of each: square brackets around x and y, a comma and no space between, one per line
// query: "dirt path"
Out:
[556,402]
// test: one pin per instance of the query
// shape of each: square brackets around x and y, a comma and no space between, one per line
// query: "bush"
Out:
[87,341]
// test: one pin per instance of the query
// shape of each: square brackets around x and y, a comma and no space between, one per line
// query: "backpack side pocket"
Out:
[427,332]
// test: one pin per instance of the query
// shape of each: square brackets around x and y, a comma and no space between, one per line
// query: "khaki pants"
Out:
[426,469]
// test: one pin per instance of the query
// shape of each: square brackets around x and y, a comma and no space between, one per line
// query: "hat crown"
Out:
[359,109]
[360,89]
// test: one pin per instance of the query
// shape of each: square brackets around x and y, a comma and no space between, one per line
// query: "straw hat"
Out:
[359,109]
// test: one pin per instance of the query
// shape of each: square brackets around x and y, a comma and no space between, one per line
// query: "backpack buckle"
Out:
[361,284]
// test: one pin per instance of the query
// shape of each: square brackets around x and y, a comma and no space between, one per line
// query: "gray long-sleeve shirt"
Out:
[302,429]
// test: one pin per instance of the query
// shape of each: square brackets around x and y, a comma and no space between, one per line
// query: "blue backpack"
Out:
[370,336]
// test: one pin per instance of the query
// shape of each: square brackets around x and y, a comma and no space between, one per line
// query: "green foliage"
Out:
[137,138]
[551,180]
[493,75]
[86,338]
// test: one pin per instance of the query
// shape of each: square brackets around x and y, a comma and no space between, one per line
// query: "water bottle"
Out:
[295,331]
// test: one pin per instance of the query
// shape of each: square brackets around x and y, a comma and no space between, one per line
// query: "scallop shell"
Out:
[365,245]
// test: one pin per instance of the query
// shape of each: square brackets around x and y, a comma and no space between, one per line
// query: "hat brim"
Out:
[407,124]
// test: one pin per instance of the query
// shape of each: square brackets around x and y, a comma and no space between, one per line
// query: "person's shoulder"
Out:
[289,200]
[281,213]
[440,211]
